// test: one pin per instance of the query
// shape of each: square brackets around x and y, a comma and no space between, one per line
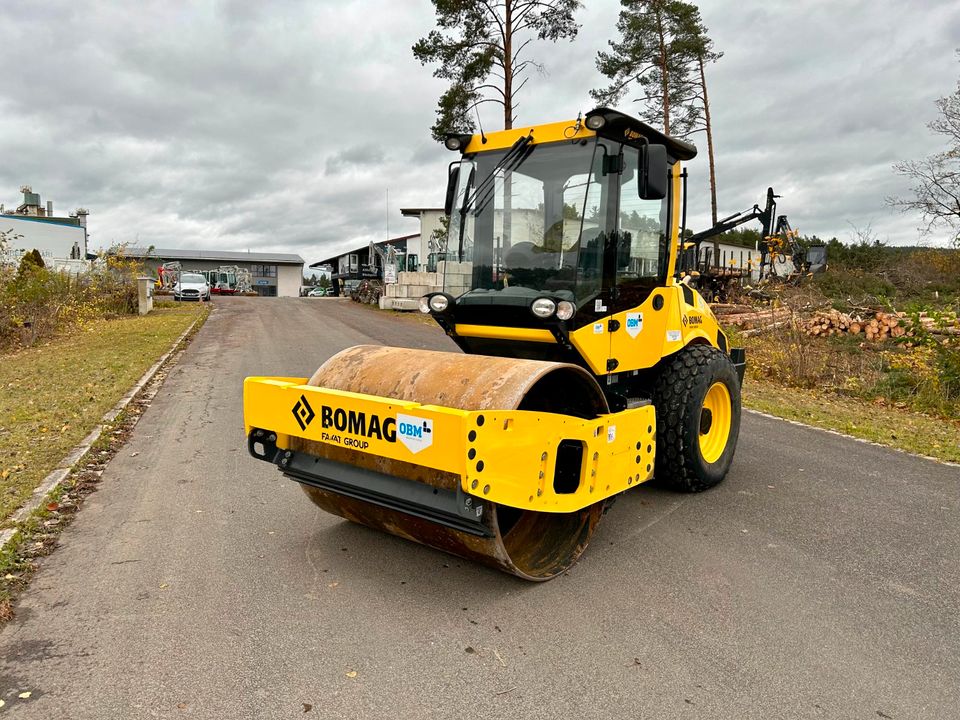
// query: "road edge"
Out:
[771,416]
[53,481]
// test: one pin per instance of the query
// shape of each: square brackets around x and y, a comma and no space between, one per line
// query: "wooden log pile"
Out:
[748,318]
[875,326]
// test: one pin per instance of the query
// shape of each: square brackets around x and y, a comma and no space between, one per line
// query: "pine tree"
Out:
[655,53]
[480,45]
[663,51]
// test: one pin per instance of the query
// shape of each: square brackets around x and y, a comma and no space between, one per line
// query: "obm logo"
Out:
[414,432]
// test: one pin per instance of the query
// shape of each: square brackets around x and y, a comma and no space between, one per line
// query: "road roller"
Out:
[589,364]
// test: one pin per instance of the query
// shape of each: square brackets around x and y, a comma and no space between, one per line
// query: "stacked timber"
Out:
[876,327]
[750,318]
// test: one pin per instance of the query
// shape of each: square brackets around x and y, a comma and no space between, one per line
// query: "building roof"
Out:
[333,258]
[218,255]
[414,212]
[68,221]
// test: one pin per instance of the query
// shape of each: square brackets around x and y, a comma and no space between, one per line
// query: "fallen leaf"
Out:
[51,506]
[307,707]
[24,695]
[163,585]
[8,576]
[181,706]
[135,453]
[469,650]
[351,673]
[333,584]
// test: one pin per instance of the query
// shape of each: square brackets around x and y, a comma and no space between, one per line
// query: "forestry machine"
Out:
[588,367]
[779,242]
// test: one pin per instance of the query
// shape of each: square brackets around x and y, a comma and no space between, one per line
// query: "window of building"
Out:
[264,271]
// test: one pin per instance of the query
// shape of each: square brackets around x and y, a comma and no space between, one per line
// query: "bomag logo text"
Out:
[356,423]
[693,319]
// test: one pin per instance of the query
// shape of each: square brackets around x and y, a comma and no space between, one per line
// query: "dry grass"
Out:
[880,392]
[54,394]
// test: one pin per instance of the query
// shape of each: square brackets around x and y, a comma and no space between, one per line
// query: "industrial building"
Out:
[61,241]
[273,274]
[367,262]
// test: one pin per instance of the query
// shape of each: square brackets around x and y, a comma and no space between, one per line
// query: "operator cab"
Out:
[560,223]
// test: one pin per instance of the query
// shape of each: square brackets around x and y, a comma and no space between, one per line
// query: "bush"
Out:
[36,302]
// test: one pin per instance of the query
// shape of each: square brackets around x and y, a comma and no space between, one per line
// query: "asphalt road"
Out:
[821,580]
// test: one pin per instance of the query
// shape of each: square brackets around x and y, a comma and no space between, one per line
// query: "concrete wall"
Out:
[54,241]
[451,277]
[289,279]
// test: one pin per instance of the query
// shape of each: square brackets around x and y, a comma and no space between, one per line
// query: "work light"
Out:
[543,307]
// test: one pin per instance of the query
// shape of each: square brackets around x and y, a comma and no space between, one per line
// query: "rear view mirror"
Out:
[453,180]
[654,173]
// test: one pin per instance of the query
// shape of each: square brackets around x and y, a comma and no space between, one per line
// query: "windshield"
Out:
[192,278]
[559,218]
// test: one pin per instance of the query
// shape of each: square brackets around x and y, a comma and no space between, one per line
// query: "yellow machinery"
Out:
[589,367]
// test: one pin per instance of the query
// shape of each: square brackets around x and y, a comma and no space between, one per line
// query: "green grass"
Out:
[54,394]
[881,423]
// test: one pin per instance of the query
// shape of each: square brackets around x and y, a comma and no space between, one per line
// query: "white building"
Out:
[61,241]
[424,246]
[273,274]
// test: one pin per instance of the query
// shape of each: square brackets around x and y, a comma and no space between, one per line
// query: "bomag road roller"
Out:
[589,365]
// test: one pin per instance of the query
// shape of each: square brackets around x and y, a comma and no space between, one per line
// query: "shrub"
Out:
[36,302]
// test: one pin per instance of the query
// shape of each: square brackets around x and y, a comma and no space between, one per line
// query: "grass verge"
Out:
[896,427]
[54,394]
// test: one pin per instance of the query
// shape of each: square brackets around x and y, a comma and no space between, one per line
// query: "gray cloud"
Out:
[282,126]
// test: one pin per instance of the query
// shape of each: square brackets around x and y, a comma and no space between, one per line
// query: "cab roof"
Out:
[617,126]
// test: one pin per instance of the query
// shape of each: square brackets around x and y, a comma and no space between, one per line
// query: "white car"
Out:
[191,286]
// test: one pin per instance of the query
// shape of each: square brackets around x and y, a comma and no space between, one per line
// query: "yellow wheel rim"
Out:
[715,418]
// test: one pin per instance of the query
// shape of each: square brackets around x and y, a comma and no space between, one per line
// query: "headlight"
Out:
[424,304]
[543,307]
[595,122]
[565,309]
[439,303]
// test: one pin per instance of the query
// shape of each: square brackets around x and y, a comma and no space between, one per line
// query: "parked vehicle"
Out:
[317,292]
[191,286]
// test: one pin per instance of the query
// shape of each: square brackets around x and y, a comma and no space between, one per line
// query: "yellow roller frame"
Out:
[504,456]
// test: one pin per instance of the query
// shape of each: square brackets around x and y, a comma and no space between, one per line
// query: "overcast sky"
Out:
[281,126]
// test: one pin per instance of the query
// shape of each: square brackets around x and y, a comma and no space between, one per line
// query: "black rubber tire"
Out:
[678,397]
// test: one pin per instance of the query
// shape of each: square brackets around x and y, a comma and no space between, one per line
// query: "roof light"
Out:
[595,122]
[452,143]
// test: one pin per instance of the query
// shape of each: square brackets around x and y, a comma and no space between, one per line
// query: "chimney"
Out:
[49,208]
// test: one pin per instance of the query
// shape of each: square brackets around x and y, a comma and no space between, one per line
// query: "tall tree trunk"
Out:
[664,74]
[507,125]
[508,66]
[706,116]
